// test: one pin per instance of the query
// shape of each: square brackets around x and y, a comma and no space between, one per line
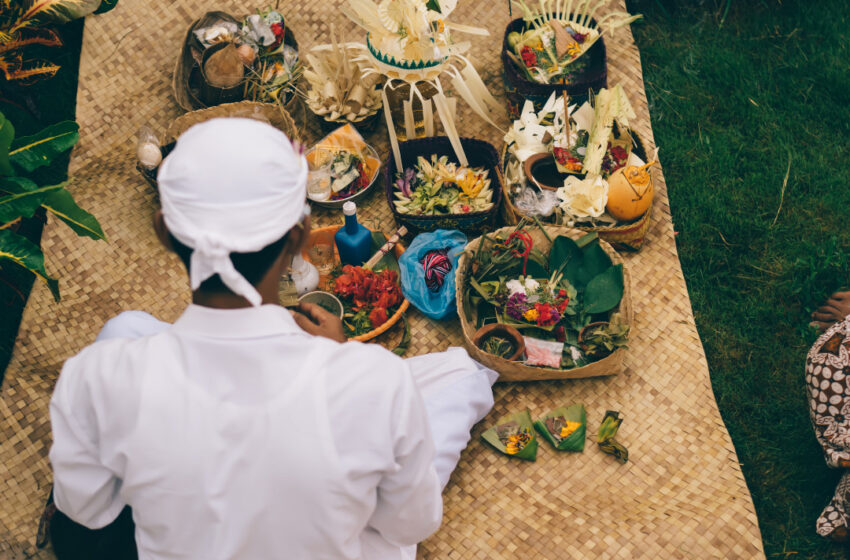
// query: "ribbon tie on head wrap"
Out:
[231,186]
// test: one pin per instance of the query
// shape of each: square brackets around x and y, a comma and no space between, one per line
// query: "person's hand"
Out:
[318,321]
[835,309]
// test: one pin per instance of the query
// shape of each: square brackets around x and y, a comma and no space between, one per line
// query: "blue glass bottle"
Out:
[353,241]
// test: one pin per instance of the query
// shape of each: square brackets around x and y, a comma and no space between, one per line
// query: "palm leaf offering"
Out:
[551,48]
[578,165]
[514,435]
[564,427]
[606,436]
[549,296]
[440,187]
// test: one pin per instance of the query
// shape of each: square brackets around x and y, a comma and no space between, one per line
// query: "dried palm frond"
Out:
[340,87]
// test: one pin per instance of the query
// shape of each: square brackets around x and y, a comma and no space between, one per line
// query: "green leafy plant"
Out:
[21,197]
[22,24]
[601,340]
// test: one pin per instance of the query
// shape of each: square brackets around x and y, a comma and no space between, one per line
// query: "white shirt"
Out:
[234,434]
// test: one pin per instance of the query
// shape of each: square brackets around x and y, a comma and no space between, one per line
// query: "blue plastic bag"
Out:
[440,304]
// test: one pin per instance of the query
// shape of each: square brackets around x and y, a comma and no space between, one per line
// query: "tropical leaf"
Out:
[62,205]
[7,134]
[60,11]
[23,205]
[25,253]
[580,264]
[605,291]
[32,152]
[105,6]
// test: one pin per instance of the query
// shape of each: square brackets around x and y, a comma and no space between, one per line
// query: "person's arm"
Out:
[83,489]
[410,505]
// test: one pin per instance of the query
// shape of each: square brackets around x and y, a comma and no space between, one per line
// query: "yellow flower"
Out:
[573,49]
[471,183]
[531,315]
[517,442]
[571,427]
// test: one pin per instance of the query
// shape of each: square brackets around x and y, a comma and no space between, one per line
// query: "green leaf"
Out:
[23,205]
[62,205]
[105,6]
[579,264]
[434,5]
[388,261]
[25,253]
[31,152]
[7,134]
[605,291]
[17,185]
[573,442]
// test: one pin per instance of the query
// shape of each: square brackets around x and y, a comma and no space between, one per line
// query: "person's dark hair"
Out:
[253,266]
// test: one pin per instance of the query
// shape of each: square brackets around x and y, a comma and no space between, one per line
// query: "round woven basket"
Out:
[629,236]
[266,112]
[324,280]
[612,364]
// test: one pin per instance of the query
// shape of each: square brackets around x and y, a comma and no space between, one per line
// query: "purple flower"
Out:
[404,184]
[517,305]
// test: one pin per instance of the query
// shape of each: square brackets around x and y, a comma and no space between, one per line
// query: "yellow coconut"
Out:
[630,192]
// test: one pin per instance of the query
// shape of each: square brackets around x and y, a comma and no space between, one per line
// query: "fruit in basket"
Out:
[630,192]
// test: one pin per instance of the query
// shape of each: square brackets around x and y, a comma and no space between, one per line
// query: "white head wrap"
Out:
[231,186]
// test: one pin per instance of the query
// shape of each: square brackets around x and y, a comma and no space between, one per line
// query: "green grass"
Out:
[30,109]
[730,105]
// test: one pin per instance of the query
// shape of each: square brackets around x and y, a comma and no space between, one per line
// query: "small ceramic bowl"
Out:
[325,300]
[542,170]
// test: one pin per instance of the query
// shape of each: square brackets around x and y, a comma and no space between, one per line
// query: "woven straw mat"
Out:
[681,495]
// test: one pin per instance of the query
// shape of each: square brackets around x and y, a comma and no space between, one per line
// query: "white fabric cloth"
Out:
[231,185]
[234,434]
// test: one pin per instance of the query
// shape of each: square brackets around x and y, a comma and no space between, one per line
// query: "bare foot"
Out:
[835,309]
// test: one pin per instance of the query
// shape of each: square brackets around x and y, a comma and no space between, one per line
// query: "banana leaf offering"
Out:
[606,436]
[564,427]
[514,435]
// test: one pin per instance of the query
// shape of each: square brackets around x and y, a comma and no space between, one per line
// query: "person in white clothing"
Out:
[245,430]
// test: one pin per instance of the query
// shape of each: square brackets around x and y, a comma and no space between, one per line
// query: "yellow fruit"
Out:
[630,192]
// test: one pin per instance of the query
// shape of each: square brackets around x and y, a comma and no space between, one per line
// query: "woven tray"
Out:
[516,371]
[628,237]
[478,153]
[324,281]
[519,88]
[267,112]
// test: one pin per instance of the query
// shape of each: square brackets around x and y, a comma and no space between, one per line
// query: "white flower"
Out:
[584,198]
[531,285]
[515,287]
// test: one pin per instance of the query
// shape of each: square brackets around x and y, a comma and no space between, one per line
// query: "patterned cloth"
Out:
[828,383]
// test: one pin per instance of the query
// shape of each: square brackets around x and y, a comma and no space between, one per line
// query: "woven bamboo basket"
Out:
[325,280]
[518,88]
[612,364]
[266,112]
[628,237]
[185,80]
[478,153]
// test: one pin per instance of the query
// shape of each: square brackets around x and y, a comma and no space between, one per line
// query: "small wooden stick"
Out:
[566,117]
[388,246]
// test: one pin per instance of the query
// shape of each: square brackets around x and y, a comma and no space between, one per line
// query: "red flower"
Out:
[563,304]
[378,317]
[465,208]
[528,56]
[278,29]
[562,293]
[619,153]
